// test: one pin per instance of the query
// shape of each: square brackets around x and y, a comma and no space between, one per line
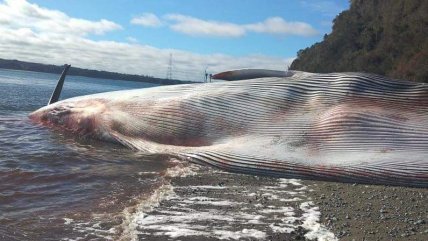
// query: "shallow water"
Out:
[56,187]
[48,179]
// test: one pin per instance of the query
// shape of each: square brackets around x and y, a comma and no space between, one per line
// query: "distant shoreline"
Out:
[57,69]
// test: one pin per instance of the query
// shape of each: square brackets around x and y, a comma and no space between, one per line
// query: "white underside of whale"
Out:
[350,127]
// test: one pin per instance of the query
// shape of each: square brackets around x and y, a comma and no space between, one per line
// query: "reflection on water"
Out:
[49,181]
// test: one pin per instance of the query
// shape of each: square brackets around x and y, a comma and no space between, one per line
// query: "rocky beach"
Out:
[370,212]
[213,205]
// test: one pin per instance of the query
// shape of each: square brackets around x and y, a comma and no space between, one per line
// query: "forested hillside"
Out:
[388,37]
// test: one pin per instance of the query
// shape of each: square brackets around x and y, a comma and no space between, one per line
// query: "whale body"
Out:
[242,74]
[346,127]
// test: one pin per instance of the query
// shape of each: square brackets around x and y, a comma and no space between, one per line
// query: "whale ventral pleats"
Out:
[347,127]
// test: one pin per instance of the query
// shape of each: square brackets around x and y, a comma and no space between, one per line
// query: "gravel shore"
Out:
[368,212]
[215,205]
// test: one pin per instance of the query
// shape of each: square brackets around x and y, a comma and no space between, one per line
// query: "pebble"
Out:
[342,233]
[420,221]
[375,213]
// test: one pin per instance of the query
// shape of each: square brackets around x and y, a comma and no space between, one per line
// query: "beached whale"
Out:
[348,127]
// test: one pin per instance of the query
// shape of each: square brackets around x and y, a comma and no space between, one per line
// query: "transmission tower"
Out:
[169,71]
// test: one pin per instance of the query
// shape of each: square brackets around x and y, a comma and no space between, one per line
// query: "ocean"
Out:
[54,186]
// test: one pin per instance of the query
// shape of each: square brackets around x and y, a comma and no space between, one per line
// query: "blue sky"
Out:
[213,35]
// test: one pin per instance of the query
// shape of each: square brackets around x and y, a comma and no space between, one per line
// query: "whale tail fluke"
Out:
[57,92]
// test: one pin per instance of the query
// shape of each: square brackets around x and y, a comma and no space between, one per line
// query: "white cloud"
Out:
[277,25]
[147,20]
[24,44]
[198,27]
[132,40]
[22,14]
[25,35]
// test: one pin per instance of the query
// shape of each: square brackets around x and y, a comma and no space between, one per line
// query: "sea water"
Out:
[53,186]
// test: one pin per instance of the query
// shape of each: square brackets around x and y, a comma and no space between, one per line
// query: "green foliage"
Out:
[377,36]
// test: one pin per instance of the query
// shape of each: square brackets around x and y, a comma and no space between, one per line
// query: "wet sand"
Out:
[369,212]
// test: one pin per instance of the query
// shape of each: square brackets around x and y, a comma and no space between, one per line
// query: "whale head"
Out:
[80,117]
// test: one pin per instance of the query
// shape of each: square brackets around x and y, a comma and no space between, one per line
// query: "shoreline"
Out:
[221,205]
[215,205]
[18,65]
